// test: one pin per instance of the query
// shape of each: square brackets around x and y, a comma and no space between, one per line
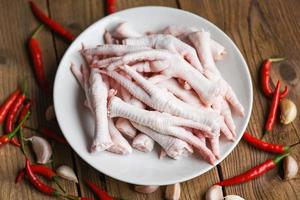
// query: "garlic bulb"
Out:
[146,189]
[290,167]
[173,192]
[41,148]
[214,193]
[288,111]
[67,172]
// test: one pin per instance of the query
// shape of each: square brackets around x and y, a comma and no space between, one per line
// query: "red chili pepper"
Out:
[273,148]
[53,135]
[111,8]
[98,191]
[24,110]
[7,104]
[38,184]
[20,176]
[265,77]
[36,57]
[254,172]
[12,115]
[273,110]
[4,139]
[53,25]
[40,170]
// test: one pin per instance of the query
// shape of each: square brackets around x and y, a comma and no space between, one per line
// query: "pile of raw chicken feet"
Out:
[161,87]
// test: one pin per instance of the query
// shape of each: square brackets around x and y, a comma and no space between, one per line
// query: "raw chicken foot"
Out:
[174,147]
[167,42]
[161,122]
[96,93]
[164,101]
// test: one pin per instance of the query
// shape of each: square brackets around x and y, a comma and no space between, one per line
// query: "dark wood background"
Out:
[260,29]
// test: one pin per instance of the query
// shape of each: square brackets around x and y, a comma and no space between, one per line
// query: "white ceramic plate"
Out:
[140,168]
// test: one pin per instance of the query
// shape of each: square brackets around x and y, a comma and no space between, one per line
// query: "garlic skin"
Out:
[288,111]
[214,193]
[173,192]
[145,189]
[233,197]
[41,148]
[290,168]
[67,172]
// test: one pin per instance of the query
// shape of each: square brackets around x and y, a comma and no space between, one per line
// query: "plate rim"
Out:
[186,178]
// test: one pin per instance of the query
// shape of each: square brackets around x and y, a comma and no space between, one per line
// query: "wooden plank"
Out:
[76,16]
[258,32]
[17,24]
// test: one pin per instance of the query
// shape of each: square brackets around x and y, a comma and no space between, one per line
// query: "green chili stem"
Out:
[277,159]
[13,133]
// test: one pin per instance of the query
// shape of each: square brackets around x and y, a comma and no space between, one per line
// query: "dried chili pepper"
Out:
[37,60]
[254,172]
[273,110]
[110,6]
[98,191]
[265,77]
[273,148]
[7,104]
[53,25]
[38,184]
[4,139]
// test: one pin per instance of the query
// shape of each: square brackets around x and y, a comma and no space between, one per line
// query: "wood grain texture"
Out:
[257,29]
[76,16]
[260,29]
[17,24]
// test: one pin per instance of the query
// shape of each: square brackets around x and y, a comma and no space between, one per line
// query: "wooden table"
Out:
[260,29]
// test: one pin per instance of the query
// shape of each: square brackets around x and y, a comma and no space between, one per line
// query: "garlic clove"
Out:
[214,193]
[41,148]
[290,167]
[146,189]
[50,113]
[67,172]
[288,111]
[233,197]
[173,192]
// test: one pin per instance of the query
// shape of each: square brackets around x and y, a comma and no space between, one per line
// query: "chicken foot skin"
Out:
[161,122]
